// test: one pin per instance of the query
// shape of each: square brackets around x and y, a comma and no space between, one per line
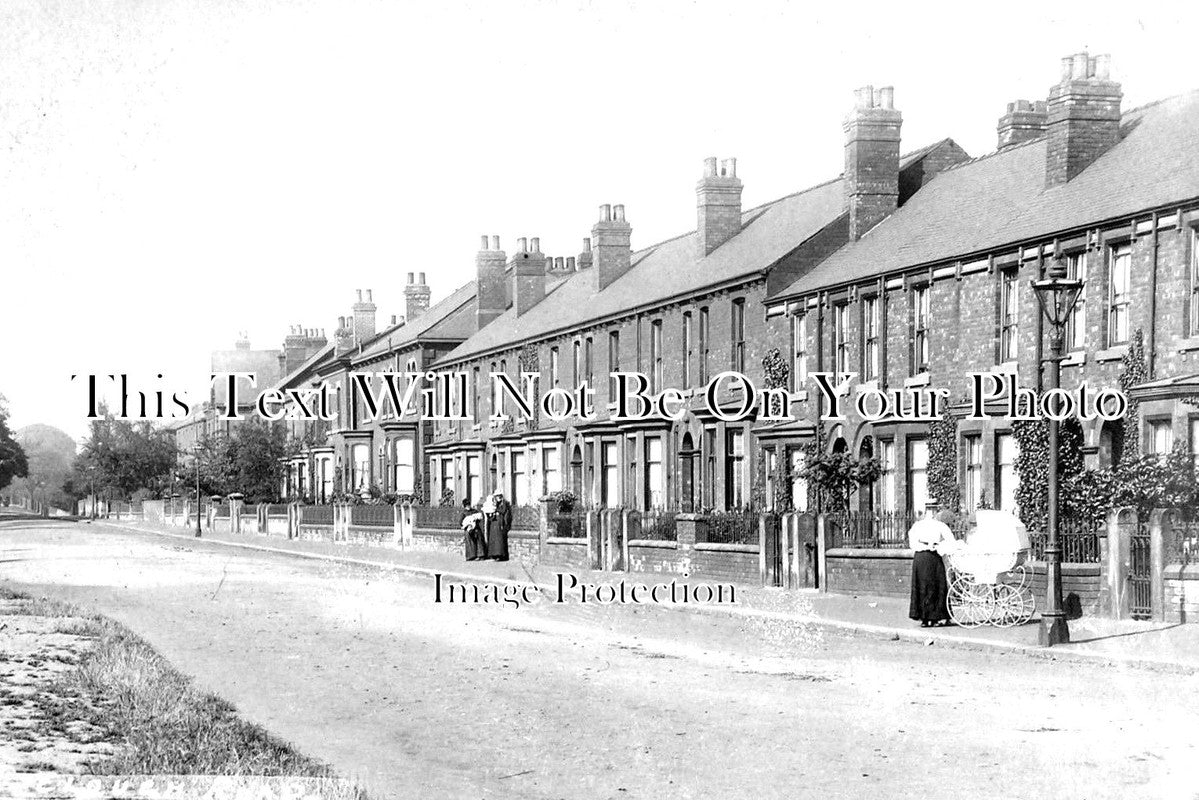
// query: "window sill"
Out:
[1114,353]
[1075,359]
[1189,344]
[916,380]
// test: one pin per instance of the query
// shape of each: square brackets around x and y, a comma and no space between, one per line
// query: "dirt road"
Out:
[360,668]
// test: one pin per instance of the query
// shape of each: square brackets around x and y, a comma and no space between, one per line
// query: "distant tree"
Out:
[50,453]
[13,462]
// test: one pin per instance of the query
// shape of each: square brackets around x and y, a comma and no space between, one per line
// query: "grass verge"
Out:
[158,721]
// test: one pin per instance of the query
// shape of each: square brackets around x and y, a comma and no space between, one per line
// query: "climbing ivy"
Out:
[1032,466]
[1134,369]
[943,462]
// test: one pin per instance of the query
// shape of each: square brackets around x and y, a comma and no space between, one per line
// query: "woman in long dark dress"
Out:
[476,539]
[498,515]
[930,588]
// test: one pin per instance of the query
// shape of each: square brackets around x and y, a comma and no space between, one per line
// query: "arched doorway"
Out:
[687,454]
[576,472]
[1111,444]
[866,492]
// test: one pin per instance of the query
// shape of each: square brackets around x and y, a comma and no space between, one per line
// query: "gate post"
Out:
[624,540]
[1121,523]
[1157,565]
[822,552]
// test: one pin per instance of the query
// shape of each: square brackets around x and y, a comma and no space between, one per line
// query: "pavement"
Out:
[1170,646]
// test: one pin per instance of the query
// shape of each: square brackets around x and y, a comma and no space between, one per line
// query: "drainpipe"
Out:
[1150,357]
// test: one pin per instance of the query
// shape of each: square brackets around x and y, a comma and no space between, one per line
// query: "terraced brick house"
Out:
[941,286]
[680,311]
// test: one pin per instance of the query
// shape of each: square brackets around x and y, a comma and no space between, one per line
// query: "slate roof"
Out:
[452,317]
[1001,199]
[670,268]
[263,363]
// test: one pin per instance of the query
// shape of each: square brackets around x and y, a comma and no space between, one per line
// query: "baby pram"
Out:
[988,580]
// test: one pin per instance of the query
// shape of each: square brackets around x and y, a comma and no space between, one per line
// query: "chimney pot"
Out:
[710,167]
[495,243]
[570,263]
[522,245]
[368,296]
[359,295]
[605,213]
[586,244]
[411,278]
[483,246]
[618,213]
[560,263]
[1081,66]
[422,278]
[535,244]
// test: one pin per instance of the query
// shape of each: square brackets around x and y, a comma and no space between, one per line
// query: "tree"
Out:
[13,462]
[247,460]
[121,457]
[834,476]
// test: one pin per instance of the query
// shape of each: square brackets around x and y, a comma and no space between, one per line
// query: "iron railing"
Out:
[1180,537]
[372,516]
[317,515]
[526,518]
[1078,538]
[440,517]
[656,525]
[734,527]
[568,524]
[276,510]
[875,530]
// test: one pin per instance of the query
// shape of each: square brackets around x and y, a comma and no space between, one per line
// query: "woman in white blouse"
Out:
[927,538]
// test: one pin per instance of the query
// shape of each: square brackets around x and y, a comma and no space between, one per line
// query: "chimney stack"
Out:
[343,337]
[611,253]
[1023,122]
[871,158]
[243,341]
[416,297]
[528,273]
[585,257]
[364,318]
[1083,117]
[718,204]
[491,291]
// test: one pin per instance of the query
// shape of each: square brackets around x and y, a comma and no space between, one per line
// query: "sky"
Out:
[172,173]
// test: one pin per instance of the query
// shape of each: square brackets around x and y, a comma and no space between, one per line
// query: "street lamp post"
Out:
[1057,294]
[197,492]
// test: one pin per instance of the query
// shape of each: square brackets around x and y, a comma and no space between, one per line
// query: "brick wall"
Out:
[717,562]
[375,536]
[316,533]
[569,554]
[1081,585]
[436,539]
[659,557]
[885,572]
[1182,593]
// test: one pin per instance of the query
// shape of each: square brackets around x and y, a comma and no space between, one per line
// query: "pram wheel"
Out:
[970,604]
